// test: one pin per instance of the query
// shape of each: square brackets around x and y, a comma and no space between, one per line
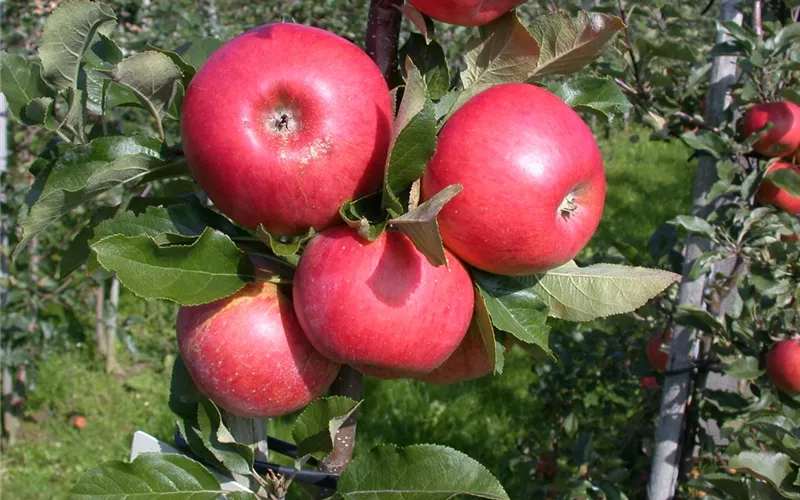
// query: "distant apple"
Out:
[465,12]
[782,139]
[770,194]
[248,354]
[649,382]
[381,307]
[79,422]
[283,124]
[783,365]
[790,238]
[657,350]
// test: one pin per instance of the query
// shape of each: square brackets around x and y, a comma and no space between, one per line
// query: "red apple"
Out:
[657,350]
[533,178]
[790,238]
[465,12]
[248,354]
[79,422]
[284,123]
[381,307]
[770,194]
[784,138]
[783,365]
[649,382]
[468,362]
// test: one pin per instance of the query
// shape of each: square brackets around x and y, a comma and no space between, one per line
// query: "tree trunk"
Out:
[667,450]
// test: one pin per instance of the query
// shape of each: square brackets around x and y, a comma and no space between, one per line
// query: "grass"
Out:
[53,454]
[648,183]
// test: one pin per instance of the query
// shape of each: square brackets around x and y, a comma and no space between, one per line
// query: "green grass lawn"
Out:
[648,183]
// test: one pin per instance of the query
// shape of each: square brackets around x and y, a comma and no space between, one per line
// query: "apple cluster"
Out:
[782,141]
[284,124]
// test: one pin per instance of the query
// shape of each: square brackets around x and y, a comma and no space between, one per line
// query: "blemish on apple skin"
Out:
[318,148]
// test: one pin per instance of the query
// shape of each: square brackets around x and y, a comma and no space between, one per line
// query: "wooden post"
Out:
[112,318]
[667,450]
[99,319]
[12,392]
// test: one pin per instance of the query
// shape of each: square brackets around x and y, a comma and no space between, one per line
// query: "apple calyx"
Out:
[282,122]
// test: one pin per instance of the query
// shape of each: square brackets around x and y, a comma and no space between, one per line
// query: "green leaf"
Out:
[767,466]
[516,308]
[414,142]
[217,439]
[482,325]
[569,43]
[786,178]
[505,53]
[415,95]
[315,429]
[695,224]
[696,317]
[153,77]
[200,424]
[733,486]
[703,264]
[423,23]
[600,95]
[743,368]
[570,424]
[284,246]
[784,38]
[104,53]
[67,34]
[419,472]
[41,111]
[707,141]
[429,58]
[411,151]
[75,119]
[21,82]
[187,220]
[78,250]
[791,95]
[365,215]
[80,173]
[586,293]
[197,51]
[150,476]
[741,34]
[670,49]
[421,227]
[209,269]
